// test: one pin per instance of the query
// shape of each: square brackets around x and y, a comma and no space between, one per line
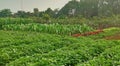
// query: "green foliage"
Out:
[22,14]
[36,12]
[37,49]
[46,17]
[74,8]
[107,32]
[66,9]
[5,13]
[24,43]
[91,8]
[49,28]
[50,12]
[111,57]
[6,21]
[95,22]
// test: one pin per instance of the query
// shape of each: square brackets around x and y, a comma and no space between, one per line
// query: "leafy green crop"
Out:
[37,49]
[111,57]
[6,21]
[24,43]
[49,28]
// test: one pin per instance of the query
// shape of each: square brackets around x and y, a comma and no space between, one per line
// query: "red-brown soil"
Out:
[114,37]
[88,33]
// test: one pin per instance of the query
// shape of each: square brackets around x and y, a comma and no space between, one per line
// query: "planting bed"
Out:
[33,44]
[114,37]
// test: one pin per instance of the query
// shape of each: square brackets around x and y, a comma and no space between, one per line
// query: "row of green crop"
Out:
[14,45]
[37,49]
[5,21]
[11,53]
[95,22]
[48,49]
[66,56]
[49,28]
[111,57]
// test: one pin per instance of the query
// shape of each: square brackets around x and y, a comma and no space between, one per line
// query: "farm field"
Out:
[33,44]
[59,32]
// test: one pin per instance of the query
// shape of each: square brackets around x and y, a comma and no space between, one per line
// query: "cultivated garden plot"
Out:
[36,44]
[59,32]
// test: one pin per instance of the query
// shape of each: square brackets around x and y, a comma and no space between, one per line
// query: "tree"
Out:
[70,7]
[109,7]
[5,13]
[89,8]
[21,14]
[46,17]
[50,12]
[55,12]
[36,12]
[86,8]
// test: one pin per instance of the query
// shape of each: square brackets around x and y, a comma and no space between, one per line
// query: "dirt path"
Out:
[88,33]
[114,37]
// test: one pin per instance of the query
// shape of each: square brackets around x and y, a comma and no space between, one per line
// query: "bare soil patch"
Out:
[113,37]
[88,33]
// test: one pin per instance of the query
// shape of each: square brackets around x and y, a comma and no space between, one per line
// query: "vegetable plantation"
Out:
[26,43]
[49,28]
